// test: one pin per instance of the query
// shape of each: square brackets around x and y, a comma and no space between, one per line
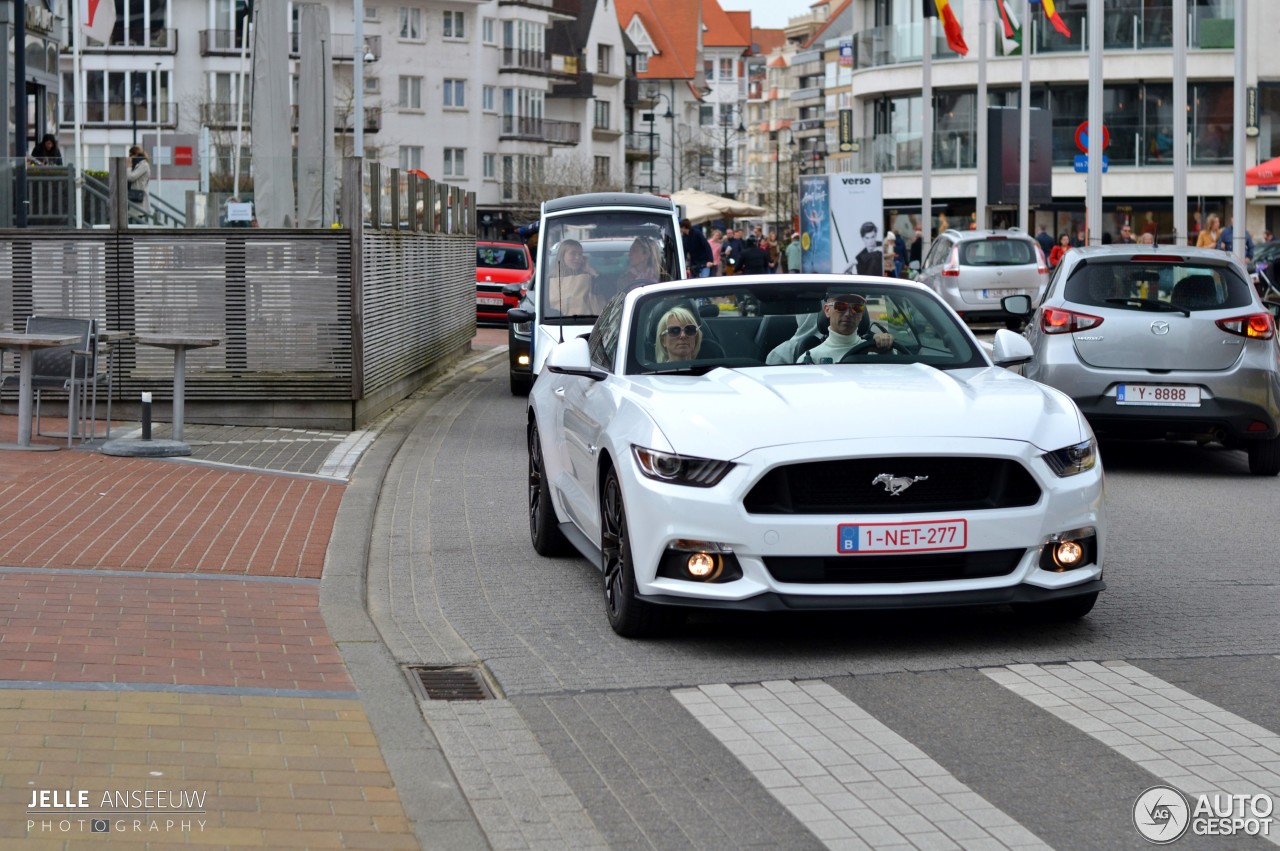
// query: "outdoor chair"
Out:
[72,370]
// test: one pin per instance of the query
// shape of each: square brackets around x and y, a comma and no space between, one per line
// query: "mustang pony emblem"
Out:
[896,484]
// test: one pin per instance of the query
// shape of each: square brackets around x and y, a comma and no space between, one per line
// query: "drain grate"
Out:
[453,683]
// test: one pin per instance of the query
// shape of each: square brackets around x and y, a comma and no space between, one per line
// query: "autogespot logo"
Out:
[1161,814]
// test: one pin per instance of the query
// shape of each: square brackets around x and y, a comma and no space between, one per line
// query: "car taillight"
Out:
[1056,321]
[952,269]
[1042,265]
[1256,326]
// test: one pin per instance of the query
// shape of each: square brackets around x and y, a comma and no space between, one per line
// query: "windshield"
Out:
[1142,284]
[590,257]
[774,324]
[502,257]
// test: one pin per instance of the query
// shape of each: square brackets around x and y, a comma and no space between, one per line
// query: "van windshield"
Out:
[589,257]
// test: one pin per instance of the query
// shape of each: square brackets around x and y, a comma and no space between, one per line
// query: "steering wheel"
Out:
[880,327]
[866,347]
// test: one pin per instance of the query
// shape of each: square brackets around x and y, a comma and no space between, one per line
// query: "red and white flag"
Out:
[97,19]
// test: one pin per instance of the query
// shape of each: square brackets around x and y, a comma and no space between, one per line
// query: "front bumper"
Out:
[659,514]
[777,602]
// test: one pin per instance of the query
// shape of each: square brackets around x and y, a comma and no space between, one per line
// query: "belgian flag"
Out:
[950,26]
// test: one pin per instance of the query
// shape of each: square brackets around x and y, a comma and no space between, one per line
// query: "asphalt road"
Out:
[929,730]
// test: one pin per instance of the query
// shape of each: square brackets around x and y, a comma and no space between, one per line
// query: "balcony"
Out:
[527,61]
[342,119]
[549,130]
[631,92]
[800,96]
[640,147]
[805,124]
[135,40]
[223,114]
[227,43]
[121,114]
[581,86]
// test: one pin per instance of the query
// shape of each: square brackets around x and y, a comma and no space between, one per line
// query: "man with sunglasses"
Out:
[845,314]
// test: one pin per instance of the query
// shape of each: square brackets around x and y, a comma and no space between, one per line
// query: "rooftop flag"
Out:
[1051,12]
[98,19]
[1011,28]
[950,26]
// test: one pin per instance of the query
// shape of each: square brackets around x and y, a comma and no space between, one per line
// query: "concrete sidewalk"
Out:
[162,650]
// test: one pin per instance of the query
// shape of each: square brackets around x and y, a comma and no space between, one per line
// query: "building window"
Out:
[410,24]
[411,93]
[642,62]
[371,13]
[455,162]
[726,68]
[487,166]
[487,99]
[455,93]
[372,85]
[410,157]
[709,69]
[455,25]
[706,115]
[489,30]
[601,170]
[602,115]
[604,59]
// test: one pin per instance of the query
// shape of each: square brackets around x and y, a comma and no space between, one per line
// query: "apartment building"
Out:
[882,88]
[515,100]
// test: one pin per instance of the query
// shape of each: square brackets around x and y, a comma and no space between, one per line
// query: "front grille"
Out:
[848,486]
[489,288]
[929,567]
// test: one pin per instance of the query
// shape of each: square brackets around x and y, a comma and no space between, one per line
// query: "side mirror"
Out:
[513,290]
[1018,305]
[518,316]
[573,358]
[1010,348]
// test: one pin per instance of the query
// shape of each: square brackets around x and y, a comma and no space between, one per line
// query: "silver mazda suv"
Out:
[1162,342]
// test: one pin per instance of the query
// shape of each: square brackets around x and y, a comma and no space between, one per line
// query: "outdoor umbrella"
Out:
[724,207]
[1263,174]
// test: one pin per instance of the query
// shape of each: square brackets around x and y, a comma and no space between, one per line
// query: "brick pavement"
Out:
[160,630]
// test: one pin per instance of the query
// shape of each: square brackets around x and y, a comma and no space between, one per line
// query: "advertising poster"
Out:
[841,222]
[857,220]
[815,224]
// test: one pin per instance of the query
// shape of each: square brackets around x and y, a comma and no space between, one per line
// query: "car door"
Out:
[589,407]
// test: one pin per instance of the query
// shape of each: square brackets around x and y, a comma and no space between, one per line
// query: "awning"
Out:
[1263,174]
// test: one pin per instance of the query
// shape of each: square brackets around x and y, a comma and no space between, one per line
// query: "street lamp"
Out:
[726,121]
[138,99]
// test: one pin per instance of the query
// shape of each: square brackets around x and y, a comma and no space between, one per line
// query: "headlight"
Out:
[680,469]
[1070,460]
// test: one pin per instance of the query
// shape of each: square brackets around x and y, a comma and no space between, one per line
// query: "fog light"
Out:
[1067,554]
[523,360]
[701,565]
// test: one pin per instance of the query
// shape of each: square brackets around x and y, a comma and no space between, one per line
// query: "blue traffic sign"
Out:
[1082,163]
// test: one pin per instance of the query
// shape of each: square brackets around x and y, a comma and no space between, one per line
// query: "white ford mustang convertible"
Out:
[809,442]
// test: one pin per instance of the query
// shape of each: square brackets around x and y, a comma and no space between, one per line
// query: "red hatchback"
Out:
[497,265]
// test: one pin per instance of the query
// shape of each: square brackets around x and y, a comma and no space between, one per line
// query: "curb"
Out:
[429,792]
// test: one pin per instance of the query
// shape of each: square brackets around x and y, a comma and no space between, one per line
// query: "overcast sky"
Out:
[767,14]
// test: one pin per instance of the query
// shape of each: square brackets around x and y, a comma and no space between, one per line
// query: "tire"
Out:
[520,385]
[1068,609]
[628,615]
[1264,457]
[544,528]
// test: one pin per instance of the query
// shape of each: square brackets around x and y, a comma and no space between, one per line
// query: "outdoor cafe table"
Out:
[179,343]
[25,344]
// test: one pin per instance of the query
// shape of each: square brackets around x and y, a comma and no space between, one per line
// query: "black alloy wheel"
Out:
[544,530]
[628,615]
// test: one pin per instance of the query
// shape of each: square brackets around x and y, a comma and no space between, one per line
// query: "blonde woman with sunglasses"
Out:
[678,336]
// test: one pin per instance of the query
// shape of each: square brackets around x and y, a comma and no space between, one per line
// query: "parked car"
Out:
[713,458]
[1163,343]
[503,272]
[973,270]
[626,239]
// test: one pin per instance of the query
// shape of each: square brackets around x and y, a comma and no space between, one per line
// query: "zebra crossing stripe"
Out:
[1185,741]
[848,778]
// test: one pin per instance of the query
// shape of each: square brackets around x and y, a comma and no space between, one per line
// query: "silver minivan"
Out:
[1162,342]
[973,270]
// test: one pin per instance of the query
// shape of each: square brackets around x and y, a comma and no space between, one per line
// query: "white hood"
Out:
[727,413]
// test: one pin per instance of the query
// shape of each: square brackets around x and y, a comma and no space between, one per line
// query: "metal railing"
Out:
[517,59]
[122,114]
[228,43]
[561,132]
[126,39]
